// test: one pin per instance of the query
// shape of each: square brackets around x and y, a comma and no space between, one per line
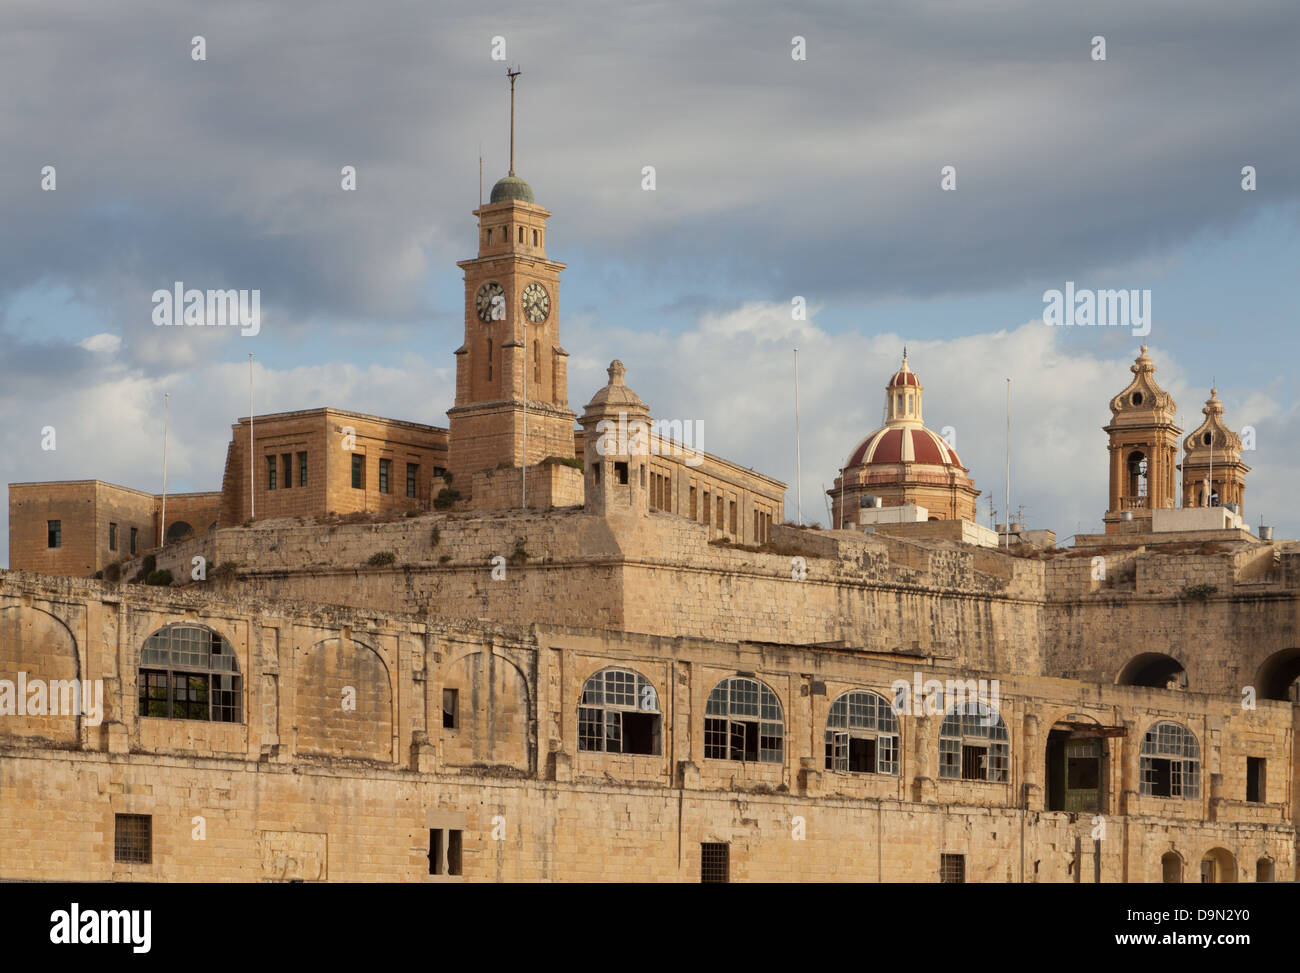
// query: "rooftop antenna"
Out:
[512,75]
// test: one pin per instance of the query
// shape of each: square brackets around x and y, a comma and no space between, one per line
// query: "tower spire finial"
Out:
[512,74]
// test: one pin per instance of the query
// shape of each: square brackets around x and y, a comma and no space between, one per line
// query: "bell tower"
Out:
[512,382]
[1143,449]
[1213,473]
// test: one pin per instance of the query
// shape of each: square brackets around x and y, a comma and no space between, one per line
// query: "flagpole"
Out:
[1006,503]
[252,471]
[162,534]
[798,456]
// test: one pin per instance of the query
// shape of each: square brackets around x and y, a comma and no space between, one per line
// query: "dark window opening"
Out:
[133,838]
[450,706]
[444,849]
[412,476]
[620,472]
[595,472]
[862,756]
[435,851]
[952,869]
[135,533]
[270,472]
[1255,769]
[112,537]
[715,863]
[973,762]
[302,469]
[54,534]
[1161,778]
[358,471]
[287,462]
[639,732]
[385,468]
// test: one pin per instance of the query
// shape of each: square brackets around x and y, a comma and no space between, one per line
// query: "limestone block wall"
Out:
[304,787]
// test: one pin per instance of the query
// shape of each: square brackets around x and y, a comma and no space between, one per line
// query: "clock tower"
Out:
[511,373]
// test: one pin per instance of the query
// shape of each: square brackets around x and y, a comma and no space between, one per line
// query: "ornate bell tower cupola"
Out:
[1213,473]
[1143,449]
[511,373]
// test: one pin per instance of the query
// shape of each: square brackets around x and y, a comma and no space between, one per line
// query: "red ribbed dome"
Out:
[903,444]
[902,378]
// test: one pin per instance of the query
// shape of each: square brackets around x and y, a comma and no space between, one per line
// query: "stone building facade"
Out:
[634,670]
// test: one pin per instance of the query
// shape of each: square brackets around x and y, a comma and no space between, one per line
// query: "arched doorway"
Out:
[1171,868]
[1264,870]
[1155,670]
[1218,866]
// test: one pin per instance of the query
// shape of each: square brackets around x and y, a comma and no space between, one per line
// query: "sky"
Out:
[777,178]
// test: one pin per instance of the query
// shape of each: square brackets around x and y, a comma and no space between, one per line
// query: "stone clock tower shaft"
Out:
[511,344]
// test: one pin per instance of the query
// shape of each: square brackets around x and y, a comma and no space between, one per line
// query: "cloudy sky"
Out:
[776,178]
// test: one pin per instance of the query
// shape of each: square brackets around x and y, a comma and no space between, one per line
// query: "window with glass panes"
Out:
[973,743]
[1170,762]
[190,673]
[743,721]
[619,713]
[862,734]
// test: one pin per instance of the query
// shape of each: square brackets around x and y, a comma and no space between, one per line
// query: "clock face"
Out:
[536,303]
[491,302]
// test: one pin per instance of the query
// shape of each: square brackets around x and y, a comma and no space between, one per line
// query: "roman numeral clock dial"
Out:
[536,303]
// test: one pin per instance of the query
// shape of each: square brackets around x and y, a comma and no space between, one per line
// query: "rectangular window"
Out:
[133,838]
[302,469]
[721,522]
[450,707]
[444,841]
[1255,770]
[288,469]
[112,537]
[358,471]
[715,863]
[693,513]
[135,533]
[620,472]
[733,520]
[170,694]
[412,477]
[270,472]
[54,533]
[385,467]
[952,869]
[435,851]
[707,508]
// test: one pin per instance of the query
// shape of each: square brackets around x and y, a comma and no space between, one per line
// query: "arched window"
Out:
[190,673]
[489,235]
[179,530]
[534,238]
[521,234]
[1170,762]
[973,743]
[862,734]
[619,714]
[742,721]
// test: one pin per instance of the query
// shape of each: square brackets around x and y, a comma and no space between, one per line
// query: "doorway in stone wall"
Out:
[1075,772]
